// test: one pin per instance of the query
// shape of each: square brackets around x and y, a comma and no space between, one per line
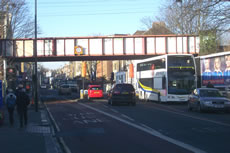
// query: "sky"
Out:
[73,18]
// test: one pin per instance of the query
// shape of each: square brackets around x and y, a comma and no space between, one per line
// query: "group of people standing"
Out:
[19,100]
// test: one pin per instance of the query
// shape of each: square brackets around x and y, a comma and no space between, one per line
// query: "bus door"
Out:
[159,88]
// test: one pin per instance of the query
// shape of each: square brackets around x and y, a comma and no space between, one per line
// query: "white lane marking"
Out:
[52,118]
[194,117]
[152,132]
[125,116]
[114,110]
[66,148]
[105,106]
[147,127]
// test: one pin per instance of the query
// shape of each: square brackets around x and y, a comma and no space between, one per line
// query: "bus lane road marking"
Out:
[149,131]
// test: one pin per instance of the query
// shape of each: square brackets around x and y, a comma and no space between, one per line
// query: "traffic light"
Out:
[1,69]
[83,69]
[1,73]
[10,73]
[93,76]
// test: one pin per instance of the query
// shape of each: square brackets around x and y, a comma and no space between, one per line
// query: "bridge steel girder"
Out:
[98,48]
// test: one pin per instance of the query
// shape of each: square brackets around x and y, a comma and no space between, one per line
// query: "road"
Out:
[96,127]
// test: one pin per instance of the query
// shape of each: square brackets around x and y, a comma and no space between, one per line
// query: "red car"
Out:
[95,91]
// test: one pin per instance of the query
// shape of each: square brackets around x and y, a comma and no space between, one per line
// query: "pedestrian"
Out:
[209,85]
[10,104]
[22,102]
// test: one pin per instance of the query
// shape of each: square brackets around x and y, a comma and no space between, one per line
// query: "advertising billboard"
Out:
[216,70]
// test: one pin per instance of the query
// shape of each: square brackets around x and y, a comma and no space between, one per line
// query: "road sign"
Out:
[78,50]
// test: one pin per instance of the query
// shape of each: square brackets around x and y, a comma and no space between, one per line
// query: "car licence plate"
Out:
[125,93]
[219,106]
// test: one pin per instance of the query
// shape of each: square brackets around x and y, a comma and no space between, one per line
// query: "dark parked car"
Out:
[64,89]
[203,99]
[122,93]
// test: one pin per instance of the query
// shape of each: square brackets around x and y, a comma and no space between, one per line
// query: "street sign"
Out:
[78,50]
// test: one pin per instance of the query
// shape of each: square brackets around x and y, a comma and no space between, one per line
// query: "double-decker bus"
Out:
[166,78]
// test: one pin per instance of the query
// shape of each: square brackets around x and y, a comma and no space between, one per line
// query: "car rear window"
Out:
[65,86]
[126,87]
[96,88]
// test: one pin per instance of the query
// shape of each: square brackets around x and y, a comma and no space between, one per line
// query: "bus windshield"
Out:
[181,75]
[180,62]
[181,83]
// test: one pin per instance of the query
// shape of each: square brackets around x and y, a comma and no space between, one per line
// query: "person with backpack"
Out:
[22,102]
[10,104]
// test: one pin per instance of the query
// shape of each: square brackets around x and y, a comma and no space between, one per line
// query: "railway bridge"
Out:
[97,48]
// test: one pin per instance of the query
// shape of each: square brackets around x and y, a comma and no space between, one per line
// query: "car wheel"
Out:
[134,104]
[109,102]
[199,108]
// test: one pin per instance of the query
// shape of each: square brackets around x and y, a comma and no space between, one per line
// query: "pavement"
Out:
[37,137]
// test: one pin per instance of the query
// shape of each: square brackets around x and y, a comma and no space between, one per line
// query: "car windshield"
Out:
[210,93]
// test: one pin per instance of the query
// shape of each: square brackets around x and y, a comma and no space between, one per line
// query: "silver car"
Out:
[203,99]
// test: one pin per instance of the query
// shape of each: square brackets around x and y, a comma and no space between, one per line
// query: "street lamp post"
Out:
[35,60]
[182,30]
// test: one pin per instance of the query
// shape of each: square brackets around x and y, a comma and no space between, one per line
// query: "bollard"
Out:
[81,94]
[85,94]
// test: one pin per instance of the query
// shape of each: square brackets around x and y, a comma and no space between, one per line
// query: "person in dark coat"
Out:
[22,101]
[11,103]
[209,85]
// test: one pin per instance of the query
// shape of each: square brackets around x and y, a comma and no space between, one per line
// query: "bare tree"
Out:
[207,18]
[193,16]
[20,20]
[147,21]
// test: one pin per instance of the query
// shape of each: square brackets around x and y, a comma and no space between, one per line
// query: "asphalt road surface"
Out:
[96,127]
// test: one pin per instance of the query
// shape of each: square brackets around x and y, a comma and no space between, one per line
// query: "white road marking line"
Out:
[194,117]
[52,118]
[125,116]
[152,132]
[114,110]
[147,127]
[66,148]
